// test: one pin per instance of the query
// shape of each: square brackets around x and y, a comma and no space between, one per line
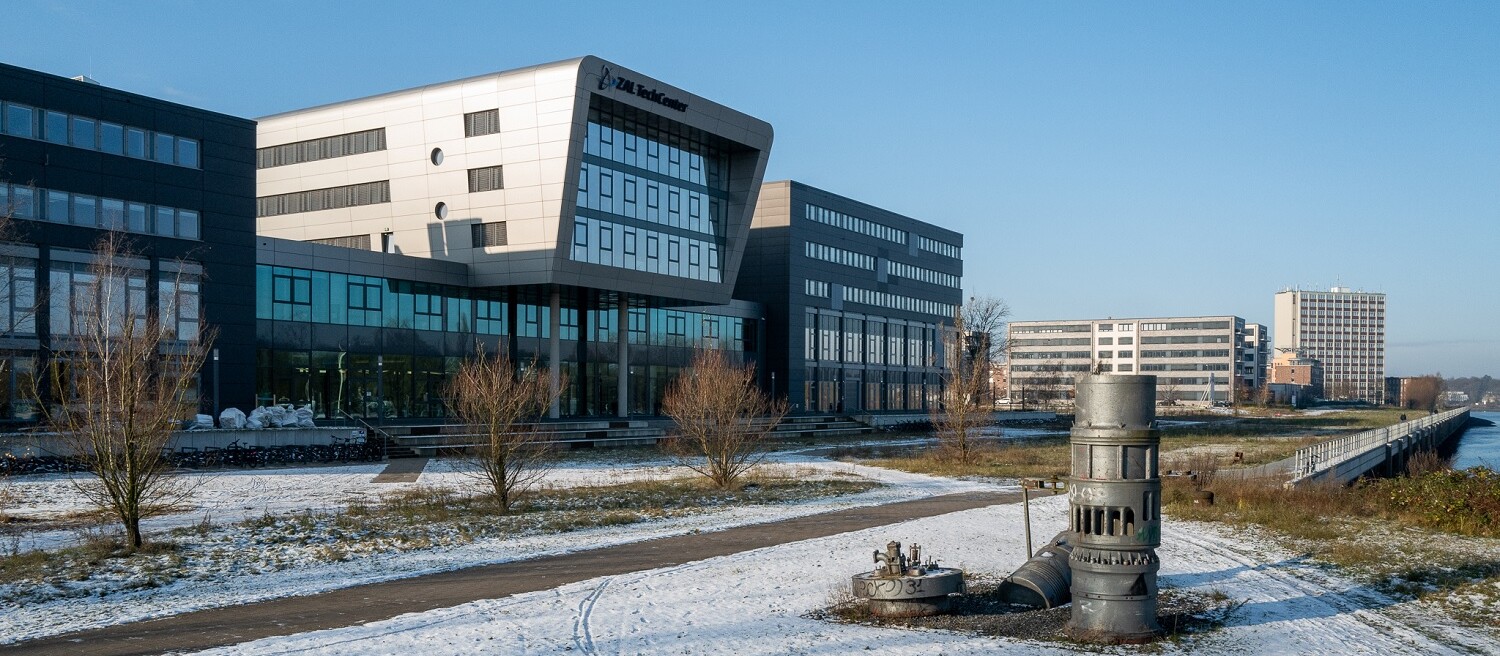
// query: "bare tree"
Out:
[126,379]
[723,418]
[1424,392]
[975,343]
[504,405]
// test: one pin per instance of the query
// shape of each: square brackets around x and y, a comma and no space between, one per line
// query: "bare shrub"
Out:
[972,350]
[125,382]
[1425,461]
[504,405]
[723,418]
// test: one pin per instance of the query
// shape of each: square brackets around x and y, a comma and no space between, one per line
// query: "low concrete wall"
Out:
[51,444]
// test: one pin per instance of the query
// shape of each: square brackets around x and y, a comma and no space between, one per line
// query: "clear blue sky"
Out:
[1109,159]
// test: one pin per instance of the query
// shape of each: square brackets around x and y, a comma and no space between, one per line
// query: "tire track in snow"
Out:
[1344,608]
[583,638]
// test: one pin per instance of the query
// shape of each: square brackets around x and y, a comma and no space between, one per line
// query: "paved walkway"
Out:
[402,470]
[369,603]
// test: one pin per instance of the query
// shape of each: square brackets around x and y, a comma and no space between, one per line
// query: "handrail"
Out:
[1331,453]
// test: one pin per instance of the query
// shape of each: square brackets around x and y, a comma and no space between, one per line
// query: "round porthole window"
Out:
[437,156]
[441,210]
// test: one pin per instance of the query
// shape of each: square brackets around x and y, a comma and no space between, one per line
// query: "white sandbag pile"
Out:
[232,418]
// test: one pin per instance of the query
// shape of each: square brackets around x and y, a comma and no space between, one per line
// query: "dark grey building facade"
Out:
[857,300]
[78,159]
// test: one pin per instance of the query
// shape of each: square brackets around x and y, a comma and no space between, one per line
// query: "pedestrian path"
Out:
[403,470]
[369,603]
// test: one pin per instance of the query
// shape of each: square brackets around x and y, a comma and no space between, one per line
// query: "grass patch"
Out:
[414,519]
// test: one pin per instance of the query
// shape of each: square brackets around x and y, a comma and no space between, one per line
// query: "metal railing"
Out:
[1331,453]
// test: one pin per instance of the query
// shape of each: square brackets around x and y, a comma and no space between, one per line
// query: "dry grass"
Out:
[1003,460]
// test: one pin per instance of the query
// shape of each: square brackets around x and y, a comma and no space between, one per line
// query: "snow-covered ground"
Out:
[755,602]
[256,579]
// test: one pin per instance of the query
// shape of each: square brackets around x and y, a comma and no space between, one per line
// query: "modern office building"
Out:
[1342,329]
[78,159]
[856,300]
[581,213]
[1196,359]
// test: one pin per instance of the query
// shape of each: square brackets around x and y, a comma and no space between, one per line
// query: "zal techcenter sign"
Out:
[607,80]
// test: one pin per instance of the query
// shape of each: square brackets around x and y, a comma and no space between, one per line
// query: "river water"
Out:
[1479,445]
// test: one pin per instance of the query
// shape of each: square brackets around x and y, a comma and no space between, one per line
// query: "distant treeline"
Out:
[1475,386]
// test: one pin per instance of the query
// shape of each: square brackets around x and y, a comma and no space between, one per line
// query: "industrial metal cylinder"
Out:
[1114,504]
[1045,580]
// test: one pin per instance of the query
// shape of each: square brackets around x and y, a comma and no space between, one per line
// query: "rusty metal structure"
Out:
[903,586]
[1114,504]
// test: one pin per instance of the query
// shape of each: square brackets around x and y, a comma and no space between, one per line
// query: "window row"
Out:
[289,294]
[64,129]
[837,255]
[817,288]
[1124,341]
[855,224]
[478,124]
[490,234]
[654,149]
[828,389]
[1107,327]
[1048,355]
[1185,366]
[489,178]
[361,242]
[95,212]
[313,200]
[624,194]
[941,248]
[79,301]
[1212,353]
[312,150]
[627,247]
[1055,341]
[1188,339]
[832,338]
[898,302]
[1065,328]
[920,274]
[1188,325]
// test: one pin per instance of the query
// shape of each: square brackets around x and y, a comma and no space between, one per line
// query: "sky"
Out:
[1101,159]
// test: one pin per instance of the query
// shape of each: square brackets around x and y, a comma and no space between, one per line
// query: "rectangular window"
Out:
[56,127]
[369,193]
[490,234]
[20,121]
[361,242]
[57,206]
[83,135]
[85,210]
[187,152]
[488,178]
[112,138]
[313,150]
[481,123]
[163,148]
[135,142]
[137,217]
[166,222]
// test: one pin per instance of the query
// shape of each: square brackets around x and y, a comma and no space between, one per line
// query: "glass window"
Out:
[57,206]
[83,133]
[85,210]
[112,138]
[113,212]
[135,142]
[166,223]
[56,124]
[187,224]
[163,148]
[22,202]
[187,152]
[20,120]
[136,217]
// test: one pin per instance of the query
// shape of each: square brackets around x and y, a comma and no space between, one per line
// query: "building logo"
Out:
[607,79]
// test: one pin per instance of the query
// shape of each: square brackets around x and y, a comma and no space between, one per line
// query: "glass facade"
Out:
[651,198]
[858,362]
[392,344]
[18,120]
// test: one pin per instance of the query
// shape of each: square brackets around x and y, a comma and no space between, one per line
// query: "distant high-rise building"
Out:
[1342,329]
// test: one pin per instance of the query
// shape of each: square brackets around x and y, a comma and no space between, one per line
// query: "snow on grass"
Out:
[267,569]
[756,603]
